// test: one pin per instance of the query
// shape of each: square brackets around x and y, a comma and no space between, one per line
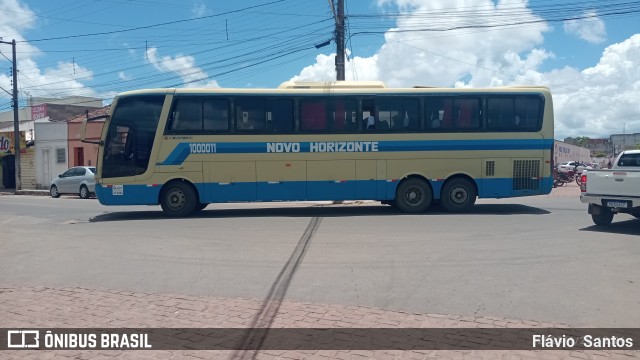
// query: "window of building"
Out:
[61,155]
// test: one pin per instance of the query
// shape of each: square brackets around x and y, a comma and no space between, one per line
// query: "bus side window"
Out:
[339,116]
[313,115]
[467,114]
[216,115]
[186,115]
[501,115]
[250,116]
[527,113]
[440,113]
[341,113]
[280,116]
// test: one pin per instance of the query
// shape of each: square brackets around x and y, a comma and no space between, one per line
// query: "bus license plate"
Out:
[617,204]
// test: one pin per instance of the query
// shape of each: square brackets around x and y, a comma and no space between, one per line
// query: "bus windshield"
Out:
[130,135]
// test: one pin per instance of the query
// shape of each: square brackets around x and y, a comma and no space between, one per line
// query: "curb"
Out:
[24,192]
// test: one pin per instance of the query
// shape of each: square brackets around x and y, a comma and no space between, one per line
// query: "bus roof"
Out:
[333,85]
[363,87]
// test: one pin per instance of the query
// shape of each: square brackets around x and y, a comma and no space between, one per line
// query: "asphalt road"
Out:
[537,258]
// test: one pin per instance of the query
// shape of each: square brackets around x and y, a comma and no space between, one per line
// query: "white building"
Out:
[566,152]
[37,167]
[51,151]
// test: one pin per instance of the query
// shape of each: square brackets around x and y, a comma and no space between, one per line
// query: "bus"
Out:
[184,148]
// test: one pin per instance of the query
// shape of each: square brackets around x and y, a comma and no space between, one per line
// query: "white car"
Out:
[79,180]
[566,166]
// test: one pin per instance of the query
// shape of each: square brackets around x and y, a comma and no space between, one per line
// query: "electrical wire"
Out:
[258,45]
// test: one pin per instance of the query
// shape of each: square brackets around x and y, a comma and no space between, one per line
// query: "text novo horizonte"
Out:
[334,146]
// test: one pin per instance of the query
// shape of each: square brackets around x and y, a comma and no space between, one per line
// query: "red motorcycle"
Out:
[564,177]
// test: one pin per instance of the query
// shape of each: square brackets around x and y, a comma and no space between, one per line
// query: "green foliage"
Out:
[582,141]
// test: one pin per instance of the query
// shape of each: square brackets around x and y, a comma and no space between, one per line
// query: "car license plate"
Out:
[616,204]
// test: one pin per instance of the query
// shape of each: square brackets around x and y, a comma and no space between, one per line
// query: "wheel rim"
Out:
[413,196]
[459,195]
[176,199]
[54,191]
[83,192]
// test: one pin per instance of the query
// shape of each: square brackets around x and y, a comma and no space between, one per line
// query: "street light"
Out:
[16,120]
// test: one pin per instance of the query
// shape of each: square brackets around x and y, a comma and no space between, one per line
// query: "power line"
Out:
[488,26]
[154,25]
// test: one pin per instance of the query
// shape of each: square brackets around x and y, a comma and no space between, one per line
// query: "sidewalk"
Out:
[26,307]
[24,192]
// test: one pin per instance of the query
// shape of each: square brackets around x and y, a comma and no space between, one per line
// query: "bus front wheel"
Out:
[458,195]
[413,195]
[178,199]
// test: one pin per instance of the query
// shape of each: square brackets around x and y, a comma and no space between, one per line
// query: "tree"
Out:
[582,141]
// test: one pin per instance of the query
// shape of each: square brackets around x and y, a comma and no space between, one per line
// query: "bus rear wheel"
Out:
[413,196]
[178,199]
[458,195]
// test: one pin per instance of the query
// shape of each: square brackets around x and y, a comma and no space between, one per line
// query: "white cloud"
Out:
[123,76]
[593,102]
[441,58]
[324,69]
[591,28]
[602,99]
[131,51]
[48,82]
[17,18]
[182,65]
[199,9]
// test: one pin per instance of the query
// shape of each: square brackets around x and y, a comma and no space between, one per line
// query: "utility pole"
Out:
[16,119]
[340,53]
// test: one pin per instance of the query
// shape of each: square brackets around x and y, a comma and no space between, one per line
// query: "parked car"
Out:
[79,180]
[571,166]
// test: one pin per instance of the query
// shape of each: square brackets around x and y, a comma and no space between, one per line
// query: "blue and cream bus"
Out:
[186,148]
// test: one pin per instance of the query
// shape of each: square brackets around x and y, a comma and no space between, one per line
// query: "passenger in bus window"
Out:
[435,120]
[370,121]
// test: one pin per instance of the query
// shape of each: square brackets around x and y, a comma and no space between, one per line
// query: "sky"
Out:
[586,52]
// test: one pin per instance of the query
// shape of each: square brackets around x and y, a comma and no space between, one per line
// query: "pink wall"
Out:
[89,151]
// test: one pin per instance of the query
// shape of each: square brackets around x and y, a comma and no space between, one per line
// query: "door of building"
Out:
[79,158]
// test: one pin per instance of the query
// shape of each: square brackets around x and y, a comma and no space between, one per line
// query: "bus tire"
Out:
[458,195]
[178,199]
[413,195]
[603,218]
